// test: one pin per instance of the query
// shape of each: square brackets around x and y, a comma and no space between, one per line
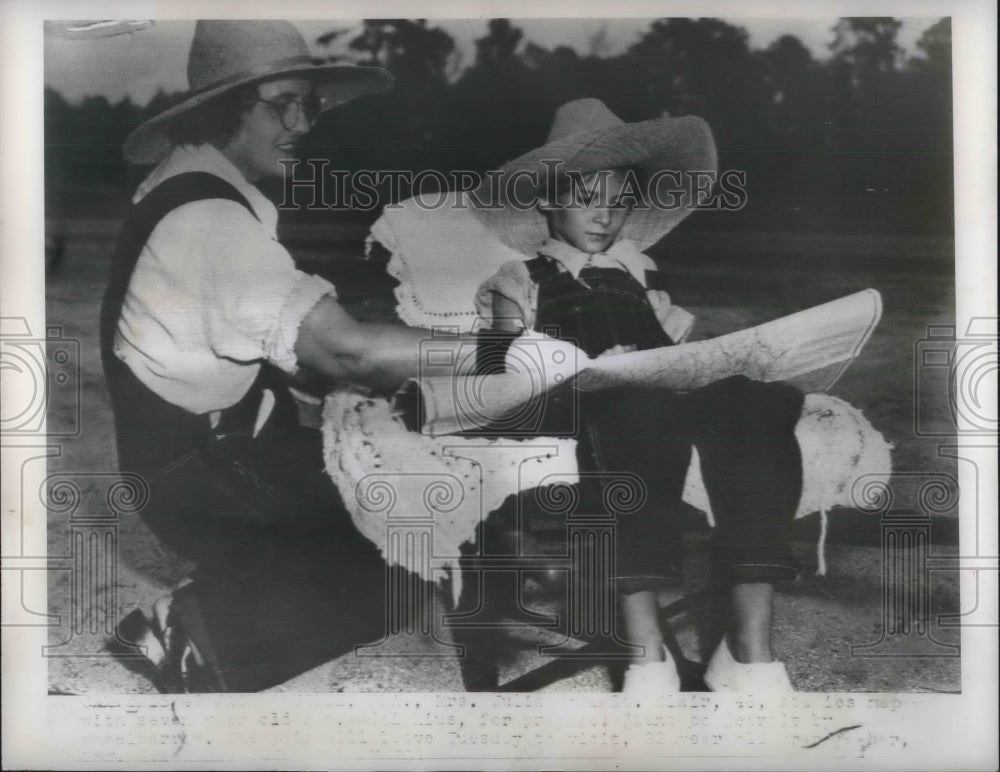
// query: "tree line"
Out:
[861,139]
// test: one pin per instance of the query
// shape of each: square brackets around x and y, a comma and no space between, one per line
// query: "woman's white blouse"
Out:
[213,294]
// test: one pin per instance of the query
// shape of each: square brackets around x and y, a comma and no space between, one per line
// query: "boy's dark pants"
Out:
[750,462]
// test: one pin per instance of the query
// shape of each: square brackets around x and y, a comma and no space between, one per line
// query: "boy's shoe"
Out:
[651,679]
[725,674]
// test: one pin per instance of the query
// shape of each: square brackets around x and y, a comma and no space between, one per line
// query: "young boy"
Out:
[591,284]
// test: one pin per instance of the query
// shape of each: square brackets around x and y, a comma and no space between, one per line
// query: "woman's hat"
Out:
[228,54]
[587,137]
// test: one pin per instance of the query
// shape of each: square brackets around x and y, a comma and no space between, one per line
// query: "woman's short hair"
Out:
[214,121]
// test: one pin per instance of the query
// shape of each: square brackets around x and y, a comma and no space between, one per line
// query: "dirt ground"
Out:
[728,282]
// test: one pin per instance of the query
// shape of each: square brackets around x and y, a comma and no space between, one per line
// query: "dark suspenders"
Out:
[616,310]
[142,219]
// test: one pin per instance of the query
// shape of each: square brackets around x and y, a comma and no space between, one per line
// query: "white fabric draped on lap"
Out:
[397,482]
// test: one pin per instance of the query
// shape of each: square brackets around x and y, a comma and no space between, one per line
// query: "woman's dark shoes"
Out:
[171,655]
[140,648]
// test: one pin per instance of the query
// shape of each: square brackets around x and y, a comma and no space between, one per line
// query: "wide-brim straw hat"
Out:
[227,54]
[587,137]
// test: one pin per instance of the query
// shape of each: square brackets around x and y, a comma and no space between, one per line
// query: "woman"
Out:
[204,320]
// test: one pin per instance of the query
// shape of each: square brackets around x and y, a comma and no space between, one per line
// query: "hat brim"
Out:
[335,84]
[684,145]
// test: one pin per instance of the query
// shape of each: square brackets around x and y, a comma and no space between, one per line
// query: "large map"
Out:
[810,349]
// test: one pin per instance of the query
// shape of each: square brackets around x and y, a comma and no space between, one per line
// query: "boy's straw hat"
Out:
[587,137]
[227,54]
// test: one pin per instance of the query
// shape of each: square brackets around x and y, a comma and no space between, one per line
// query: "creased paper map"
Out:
[810,349]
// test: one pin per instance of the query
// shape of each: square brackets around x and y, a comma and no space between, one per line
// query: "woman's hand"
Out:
[375,356]
[619,349]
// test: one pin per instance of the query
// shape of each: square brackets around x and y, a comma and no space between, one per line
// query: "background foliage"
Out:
[859,141]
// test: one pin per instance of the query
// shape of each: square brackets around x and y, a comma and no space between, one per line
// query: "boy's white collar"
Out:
[623,255]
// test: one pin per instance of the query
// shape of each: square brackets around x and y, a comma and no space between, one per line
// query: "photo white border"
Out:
[939,731]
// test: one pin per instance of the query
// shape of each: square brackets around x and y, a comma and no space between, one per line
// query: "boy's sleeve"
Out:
[674,320]
[513,282]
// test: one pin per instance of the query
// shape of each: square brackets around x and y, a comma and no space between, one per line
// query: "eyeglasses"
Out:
[289,110]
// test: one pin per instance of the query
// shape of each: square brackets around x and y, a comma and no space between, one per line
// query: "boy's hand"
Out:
[619,349]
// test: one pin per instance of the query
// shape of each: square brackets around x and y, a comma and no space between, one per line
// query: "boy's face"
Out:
[589,219]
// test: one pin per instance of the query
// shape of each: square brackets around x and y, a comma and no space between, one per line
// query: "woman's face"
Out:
[261,141]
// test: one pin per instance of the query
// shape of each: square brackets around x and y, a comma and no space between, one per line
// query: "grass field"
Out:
[728,281]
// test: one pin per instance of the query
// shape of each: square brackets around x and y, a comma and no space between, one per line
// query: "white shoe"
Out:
[725,674]
[651,679]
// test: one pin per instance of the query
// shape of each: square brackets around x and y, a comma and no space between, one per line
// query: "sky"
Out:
[138,64]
